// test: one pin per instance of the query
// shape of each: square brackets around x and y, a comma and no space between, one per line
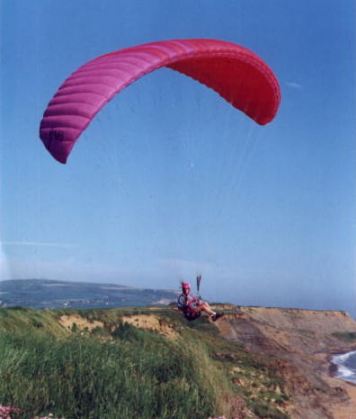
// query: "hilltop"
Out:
[149,362]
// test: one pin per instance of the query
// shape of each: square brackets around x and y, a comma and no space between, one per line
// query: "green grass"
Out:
[120,371]
[138,374]
[17,319]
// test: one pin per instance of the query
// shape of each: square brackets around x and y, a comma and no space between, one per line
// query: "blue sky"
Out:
[169,180]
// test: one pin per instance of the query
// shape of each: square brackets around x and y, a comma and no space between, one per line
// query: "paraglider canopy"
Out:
[234,72]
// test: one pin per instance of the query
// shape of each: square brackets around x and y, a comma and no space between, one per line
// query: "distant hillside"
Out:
[43,293]
[149,362]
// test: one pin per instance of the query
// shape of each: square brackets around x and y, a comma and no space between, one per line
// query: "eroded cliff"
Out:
[298,344]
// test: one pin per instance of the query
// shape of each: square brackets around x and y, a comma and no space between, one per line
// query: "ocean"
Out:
[346,366]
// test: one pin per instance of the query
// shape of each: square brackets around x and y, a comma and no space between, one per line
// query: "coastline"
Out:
[303,342]
[344,409]
[334,364]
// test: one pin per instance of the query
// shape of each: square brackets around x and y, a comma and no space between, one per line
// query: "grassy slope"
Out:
[119,370]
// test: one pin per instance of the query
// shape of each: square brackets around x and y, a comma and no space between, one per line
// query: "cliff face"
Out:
[298,344]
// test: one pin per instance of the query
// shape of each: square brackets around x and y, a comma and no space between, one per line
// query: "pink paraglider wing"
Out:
[234,72]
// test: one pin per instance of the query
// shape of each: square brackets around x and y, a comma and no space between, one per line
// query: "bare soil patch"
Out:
[68,321]
[151,322]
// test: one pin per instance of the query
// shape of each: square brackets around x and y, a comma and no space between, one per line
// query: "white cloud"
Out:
[38,244]
[294,85]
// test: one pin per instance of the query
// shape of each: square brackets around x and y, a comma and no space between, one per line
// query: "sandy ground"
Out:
[151,322]
[344,410]
[80,322]
[142,321]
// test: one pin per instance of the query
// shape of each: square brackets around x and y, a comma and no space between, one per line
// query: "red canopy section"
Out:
[234,72]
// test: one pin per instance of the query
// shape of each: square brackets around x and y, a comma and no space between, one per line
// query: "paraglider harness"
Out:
[190,309]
